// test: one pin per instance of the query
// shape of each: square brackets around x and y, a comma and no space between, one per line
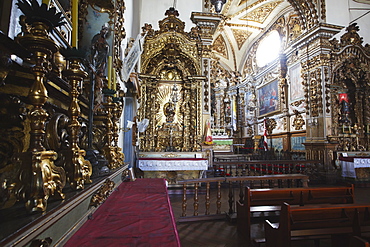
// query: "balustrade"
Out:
[226,186]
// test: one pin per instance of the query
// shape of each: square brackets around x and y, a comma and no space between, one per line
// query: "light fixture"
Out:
[218,4]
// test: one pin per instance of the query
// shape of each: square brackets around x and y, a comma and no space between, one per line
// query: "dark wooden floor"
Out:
[222,233]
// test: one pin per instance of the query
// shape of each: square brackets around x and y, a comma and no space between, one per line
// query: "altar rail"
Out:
[232,183]
[261,167]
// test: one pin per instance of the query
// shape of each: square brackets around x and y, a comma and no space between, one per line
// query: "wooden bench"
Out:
[270,200]
[337,221]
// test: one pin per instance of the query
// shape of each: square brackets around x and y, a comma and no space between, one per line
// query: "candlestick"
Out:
[74,23]
[109,72]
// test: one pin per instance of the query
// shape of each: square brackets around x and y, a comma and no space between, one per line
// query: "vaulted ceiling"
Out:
[246,20]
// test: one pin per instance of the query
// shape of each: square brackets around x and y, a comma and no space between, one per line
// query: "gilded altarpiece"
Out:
[349,102]
[171,91]
[350,91]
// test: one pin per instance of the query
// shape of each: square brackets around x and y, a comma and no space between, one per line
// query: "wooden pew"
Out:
[337,221]
[270,200]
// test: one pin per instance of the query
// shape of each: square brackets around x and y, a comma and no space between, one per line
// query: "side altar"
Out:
[173,166]
[355,166]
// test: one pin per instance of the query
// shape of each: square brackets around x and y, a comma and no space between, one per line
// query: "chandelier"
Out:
[218,4]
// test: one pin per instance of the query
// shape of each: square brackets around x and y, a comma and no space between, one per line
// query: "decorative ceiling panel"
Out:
[240,36]
[220,46]
[260,14]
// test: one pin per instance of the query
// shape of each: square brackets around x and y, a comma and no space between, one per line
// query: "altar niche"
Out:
[171,99]
[171,88]
[170,118]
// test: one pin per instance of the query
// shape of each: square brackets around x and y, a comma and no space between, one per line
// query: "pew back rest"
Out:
[316,221]
[299,196]
[324,216]
[334,195]
[273,197]
[268,200]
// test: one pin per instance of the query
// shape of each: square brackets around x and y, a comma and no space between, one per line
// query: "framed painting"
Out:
[268,98]
[296,87]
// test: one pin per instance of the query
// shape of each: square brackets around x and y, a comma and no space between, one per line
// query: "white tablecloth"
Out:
[348,167]
[173,165]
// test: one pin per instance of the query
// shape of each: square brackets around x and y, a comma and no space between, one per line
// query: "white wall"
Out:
[129,17]
[344,12]
[153,10]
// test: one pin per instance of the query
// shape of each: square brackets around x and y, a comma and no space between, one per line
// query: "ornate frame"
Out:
[294,80]
[270,94]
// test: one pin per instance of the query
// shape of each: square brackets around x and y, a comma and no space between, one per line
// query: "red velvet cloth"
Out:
[137,214]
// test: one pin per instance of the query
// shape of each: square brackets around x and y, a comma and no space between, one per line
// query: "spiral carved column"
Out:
[110,151]
[78,169]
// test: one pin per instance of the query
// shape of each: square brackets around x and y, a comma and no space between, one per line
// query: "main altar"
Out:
[175,90]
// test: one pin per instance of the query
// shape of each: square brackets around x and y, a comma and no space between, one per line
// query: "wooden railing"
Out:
[237,168]
[232,183]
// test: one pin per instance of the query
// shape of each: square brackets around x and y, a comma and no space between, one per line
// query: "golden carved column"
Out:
[207,24]
[39,178]
[186,109]
[314,50]
[117,112]
[193,115]
[149,110]
[78,169]
[109,150]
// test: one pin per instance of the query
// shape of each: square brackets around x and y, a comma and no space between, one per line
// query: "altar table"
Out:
[173,164]
[350,167]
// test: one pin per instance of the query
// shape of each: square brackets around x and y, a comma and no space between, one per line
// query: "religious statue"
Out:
[344,118]
[99,54]
[169,111]
[99,51]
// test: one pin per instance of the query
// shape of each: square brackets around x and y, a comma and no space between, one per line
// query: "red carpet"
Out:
[138,213]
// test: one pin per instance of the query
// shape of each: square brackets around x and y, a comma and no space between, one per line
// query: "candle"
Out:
[114,85]
[109,72]
[74,23]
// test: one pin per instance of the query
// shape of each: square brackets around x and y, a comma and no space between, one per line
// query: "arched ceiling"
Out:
[246,20]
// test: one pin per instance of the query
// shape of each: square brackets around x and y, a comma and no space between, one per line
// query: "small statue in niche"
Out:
[99,51]
[169,112]
[345,109]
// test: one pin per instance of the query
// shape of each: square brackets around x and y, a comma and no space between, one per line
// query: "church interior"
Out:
[140,122]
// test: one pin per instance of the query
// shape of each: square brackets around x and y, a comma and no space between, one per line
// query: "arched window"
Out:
[269,49]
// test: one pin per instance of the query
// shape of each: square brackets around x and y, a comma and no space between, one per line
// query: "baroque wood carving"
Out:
[173,86]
